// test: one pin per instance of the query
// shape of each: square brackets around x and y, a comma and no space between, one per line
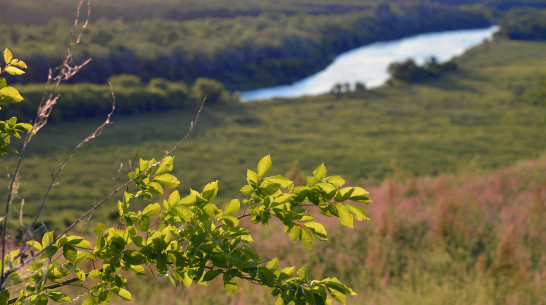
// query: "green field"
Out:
[478,117]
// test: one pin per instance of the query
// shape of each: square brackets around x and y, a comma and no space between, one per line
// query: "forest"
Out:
[269,47]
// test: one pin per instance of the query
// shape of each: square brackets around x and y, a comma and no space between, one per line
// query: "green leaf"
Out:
[89,301]
[7,56]
[280,180]
[151,209]
[94,274]
[272,264]
[155,187]
[230,286]
[187,281]
[23,127]
[167,180]
[230,221]
[295,233]
[184,213]
[124,294]
[210,190]
[99,228]
[14,71]
[246,190]
[80,274]
[211,274]
[212,210]
[267,276]
[338,296]
[345,217]
[70,254]
[306,238]
[303,272]
[10,95]
[344,194]
[47,239]
[320,172]
[317,229]
[264,165]
[286,272]
[232,207]
[337,181]
[18,63]
[3,82]
[360,195]
[252,177]
[334,283]
[165,166]
[357,211]
[58,297]
[144,224]
[36,246]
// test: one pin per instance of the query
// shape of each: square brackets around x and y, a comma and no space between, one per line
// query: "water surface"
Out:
[368,64]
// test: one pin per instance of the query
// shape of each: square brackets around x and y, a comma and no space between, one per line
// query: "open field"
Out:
[474,237]
[479,117]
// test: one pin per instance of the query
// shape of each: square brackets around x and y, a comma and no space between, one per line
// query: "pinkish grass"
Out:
[465,238]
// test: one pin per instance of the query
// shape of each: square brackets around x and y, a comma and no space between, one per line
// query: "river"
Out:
[368,64]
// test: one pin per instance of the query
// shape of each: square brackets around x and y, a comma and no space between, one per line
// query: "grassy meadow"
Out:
[474,237]
[457,215]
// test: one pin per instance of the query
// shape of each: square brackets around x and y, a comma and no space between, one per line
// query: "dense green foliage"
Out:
[187,240]
[40,12]
[10,95]
[524,24]
[241,52]
[87,100]
[409,71]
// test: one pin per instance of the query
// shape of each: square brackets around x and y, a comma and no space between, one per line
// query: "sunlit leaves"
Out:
[345,217]
[264,166]
[10,95]
[8,56]
[167,180]
[14,70]
[232,207]
[192,240]
[124,294]
[306,238]
[317,229]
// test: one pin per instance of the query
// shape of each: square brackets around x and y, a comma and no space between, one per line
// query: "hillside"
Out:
[481,116]
[474,237]
[246,44]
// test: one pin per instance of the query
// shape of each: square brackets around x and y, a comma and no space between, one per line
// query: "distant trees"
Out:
[524,24]
[408,71]
[133,96]
[183,238]
[241,52]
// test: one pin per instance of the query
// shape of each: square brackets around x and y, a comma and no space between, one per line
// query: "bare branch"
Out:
[65,71]
[127,184]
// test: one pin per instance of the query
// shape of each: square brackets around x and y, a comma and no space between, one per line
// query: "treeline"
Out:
[241,52]
[524,24]
[409,72]
[40,12]
[85,100]
[34,12]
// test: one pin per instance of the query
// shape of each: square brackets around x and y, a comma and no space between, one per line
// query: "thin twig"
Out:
[66,71]
[117,190]
[56,285]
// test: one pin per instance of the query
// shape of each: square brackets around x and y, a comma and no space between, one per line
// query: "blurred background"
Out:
[450,143]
